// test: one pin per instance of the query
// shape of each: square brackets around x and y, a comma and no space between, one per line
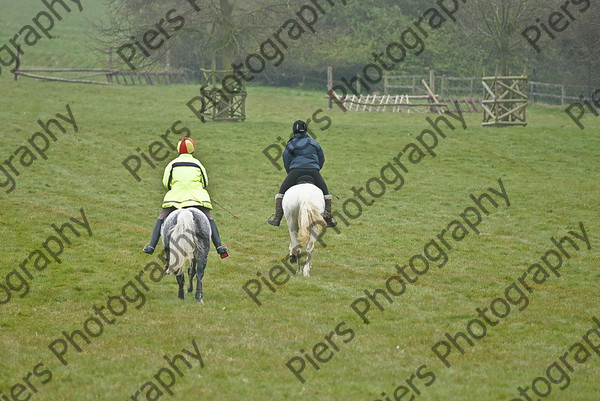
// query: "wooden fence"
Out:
[472,88]
[557,94]
[112,76]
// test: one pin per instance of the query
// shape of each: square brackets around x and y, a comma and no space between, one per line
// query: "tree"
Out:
[211,32]
[580,45]
[497,26]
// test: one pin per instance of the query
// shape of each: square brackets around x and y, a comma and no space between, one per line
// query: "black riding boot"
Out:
[278,211]
[149,248]
[216,239]
[327,215]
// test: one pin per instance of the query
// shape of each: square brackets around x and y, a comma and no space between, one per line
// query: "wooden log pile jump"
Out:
[404,103]
[393,103]
[416,98]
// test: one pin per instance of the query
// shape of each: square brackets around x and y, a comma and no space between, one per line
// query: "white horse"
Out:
[303,205]
[186,237]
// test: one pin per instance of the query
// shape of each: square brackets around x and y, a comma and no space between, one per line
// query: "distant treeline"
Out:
[292,42]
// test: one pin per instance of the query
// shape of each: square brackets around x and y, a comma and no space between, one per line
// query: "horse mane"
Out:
[310,221]
[182,242]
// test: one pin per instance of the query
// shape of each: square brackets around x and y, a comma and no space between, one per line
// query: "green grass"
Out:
[73,38]
[548,168]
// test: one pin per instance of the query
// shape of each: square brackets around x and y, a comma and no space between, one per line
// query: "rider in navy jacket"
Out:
[302,156]
[303,152]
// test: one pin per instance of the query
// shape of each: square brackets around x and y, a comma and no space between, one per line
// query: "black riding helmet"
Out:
[300,126]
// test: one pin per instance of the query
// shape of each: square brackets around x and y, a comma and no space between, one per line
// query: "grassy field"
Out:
[73,38]
[549,170]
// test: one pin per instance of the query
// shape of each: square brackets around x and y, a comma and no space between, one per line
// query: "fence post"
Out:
[168,60]
[330,85]
[385,84]
[443,86]
[472,87]
[432,80]
[110,65]
[531,92]
[17,64]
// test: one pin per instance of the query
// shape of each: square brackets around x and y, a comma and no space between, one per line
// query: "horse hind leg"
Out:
[199,293]
[310,246]
[294,248]
[166,259]
[295,257]
[200,262]
[293,239]
[299,269]
[294,253]
[180,280]
[191,273]
[307,264]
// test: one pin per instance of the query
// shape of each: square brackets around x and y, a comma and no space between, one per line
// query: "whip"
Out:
[224,208]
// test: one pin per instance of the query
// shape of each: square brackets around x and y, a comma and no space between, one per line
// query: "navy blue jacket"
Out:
[303,152]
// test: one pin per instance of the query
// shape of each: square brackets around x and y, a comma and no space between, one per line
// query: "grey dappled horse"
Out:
[186,238]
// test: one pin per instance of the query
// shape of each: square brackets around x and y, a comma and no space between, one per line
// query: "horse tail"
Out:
[182,241]
[310,221]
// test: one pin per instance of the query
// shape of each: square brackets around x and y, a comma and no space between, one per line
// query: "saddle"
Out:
[305,179]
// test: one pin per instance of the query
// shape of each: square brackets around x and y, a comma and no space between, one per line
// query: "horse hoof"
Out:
[201,301]
[293,259]
[190,290]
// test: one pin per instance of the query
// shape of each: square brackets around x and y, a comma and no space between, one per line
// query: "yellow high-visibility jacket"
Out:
[185,178]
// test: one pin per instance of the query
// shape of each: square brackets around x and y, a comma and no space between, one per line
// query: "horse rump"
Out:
[310,221]
[186,237]
[180,239]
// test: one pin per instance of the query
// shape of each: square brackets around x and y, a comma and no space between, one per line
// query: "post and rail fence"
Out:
[472,88]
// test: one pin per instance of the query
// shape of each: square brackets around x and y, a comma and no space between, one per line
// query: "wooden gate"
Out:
[504,101]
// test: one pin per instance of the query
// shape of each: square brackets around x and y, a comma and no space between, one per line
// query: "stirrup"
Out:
[329,220]
[223,251]
[274,222]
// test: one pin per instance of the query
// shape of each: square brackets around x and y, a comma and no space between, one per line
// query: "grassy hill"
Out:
[549,170]
[73,37]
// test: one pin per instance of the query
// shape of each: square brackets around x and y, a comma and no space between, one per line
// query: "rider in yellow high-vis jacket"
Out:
[186,185]
[186,179]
